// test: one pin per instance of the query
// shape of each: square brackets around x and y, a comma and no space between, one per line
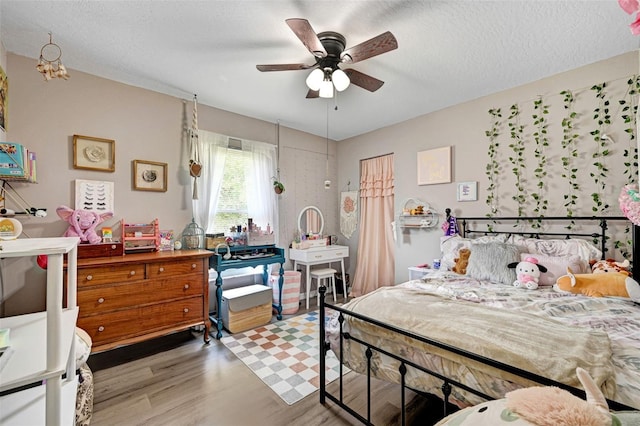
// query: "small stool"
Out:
[321,274]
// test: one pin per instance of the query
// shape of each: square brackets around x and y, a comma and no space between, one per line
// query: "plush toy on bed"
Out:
[82,223]
[528,273]
[462,261]
[609,265]
[611,284]
[541,406]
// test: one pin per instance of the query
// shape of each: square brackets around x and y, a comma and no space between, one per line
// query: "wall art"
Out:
[95,195]
[149,176]
[91,153]
[434,166]
[467,191]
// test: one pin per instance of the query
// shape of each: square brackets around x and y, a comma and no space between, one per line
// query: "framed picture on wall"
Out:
[434,166]
[467,191]
[149,176]
[91,153]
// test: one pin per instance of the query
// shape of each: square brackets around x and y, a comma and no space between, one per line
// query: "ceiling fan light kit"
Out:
[328,50]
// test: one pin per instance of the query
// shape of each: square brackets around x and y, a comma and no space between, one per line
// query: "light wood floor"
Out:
[189,383]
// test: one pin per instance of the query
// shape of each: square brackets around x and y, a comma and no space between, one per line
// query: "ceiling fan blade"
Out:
[284,67]
[370,48]
[312,94]
[363,80]
[306,34]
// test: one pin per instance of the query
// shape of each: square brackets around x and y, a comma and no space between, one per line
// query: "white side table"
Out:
[416,272]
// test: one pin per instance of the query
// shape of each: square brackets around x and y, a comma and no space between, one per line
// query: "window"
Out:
[232,201]
[235,183]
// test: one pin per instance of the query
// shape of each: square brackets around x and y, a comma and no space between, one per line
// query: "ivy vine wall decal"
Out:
[544,153]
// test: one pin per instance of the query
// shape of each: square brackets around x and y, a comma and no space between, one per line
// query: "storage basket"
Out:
[290,290]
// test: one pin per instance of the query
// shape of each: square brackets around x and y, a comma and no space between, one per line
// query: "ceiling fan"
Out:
[328,49]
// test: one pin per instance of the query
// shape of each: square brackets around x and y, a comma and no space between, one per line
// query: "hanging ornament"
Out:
[195,167]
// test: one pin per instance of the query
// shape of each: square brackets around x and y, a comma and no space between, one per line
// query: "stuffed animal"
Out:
[528,273]
[82,223]
[540,406]
[609,265]
[461,261]
[612,284]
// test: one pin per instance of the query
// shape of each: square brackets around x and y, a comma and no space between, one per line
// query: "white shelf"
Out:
[28,364]
[43,342]
[27,407]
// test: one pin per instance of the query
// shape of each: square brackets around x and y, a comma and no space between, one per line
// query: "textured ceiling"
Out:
[449,51]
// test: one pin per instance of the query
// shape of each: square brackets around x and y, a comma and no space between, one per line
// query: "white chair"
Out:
[322,274]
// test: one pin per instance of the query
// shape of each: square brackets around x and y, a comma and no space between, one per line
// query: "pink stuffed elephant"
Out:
[82,223]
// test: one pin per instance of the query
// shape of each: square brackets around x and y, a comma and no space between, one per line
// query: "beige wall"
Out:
[463,127]
[148,125]
[145,125]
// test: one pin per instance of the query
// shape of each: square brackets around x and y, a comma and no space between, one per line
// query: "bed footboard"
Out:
[405,364]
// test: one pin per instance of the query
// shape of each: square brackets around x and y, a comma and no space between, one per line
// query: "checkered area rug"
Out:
[285,355]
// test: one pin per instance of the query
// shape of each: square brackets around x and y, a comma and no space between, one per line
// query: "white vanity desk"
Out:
[318,256]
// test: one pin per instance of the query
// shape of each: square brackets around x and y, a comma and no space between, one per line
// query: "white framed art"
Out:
[434,166]
[467,191]
[95,195]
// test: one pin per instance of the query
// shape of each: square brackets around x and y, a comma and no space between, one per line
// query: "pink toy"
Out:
[82,223]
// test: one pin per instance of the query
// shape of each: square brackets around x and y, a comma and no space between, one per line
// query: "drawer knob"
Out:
[101,328]
[89,277]
[186,310]
[113,247]
[186,286]
[161,269]
[193,266]
[101,300]
[132,273]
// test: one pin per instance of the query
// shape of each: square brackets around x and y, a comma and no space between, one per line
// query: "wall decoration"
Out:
[4,98]
[149,176]
[434,166]
[91,153]
[467,191]
[348,213]
[95,195]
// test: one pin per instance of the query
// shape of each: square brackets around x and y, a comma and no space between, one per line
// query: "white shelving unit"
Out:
[43,342]
[407,219]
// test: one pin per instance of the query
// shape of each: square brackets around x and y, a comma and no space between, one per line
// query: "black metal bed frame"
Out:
[447,383]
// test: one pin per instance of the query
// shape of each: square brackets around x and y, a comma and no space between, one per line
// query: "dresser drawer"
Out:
[328,253]
[168,269]
[97,300]
[128,323]
[110,274]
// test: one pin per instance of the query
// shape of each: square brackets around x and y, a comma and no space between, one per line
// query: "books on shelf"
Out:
[17,162]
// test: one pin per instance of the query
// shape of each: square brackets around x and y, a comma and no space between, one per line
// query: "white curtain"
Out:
[213,152]
[261,199]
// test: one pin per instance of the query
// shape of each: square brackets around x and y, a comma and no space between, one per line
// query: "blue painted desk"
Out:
[268,255]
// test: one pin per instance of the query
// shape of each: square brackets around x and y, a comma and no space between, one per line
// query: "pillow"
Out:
[488,262]
[567,247]
[557,266]
[451,245]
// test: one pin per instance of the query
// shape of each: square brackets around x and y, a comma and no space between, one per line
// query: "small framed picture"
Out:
[149,176]
[91,153]
[467,191]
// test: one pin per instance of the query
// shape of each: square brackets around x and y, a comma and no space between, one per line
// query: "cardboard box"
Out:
[244,308]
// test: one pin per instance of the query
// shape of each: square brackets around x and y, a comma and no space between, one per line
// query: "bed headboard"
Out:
[588,227]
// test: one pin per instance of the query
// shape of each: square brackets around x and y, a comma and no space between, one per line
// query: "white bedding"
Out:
[619,319]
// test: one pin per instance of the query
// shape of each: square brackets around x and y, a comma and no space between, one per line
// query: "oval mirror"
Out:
[310,221]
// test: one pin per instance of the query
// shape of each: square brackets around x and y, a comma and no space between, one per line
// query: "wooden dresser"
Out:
[135,297]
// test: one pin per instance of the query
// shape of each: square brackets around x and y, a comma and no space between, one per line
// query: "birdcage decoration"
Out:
[193,236]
